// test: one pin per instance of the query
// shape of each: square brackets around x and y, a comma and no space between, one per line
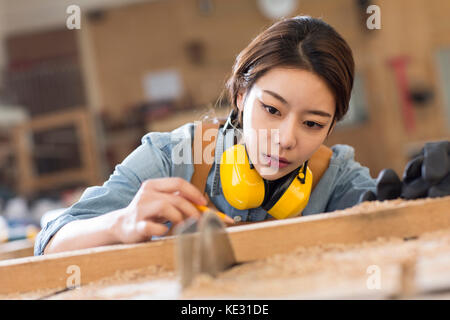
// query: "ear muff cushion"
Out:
[242,187]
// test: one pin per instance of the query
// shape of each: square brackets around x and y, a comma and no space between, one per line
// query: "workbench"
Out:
[375,250]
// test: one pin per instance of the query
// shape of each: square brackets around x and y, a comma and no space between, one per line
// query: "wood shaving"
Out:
[408,267]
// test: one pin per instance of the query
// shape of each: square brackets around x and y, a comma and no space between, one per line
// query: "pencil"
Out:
[221,215]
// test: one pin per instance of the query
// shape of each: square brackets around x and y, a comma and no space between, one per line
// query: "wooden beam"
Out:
[250,242]
[52,271]
[16,249]
[410,219]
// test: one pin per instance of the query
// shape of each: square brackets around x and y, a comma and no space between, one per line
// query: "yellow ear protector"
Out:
[244,188]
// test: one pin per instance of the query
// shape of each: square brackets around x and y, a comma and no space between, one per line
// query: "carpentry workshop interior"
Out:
[224,150]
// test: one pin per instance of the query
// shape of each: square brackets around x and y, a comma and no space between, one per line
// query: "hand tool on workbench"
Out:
[202,246]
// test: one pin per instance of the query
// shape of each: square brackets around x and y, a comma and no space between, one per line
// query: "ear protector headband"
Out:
[244,188]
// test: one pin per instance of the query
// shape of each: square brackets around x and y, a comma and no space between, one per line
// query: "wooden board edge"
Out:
[250,242]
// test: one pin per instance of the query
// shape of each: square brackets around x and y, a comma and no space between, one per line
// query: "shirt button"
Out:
[237,218]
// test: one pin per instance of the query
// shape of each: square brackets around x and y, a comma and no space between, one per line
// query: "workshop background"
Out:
[75,102]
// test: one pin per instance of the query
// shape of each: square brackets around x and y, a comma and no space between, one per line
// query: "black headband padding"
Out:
[274,189]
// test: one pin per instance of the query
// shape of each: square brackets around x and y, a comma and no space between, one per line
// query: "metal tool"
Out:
[202,246]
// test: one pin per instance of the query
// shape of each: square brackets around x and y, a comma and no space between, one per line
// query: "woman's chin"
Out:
[271,173]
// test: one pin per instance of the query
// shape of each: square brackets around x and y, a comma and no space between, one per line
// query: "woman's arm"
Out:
[92,220]
[157,202]
[86,233]
[351,180]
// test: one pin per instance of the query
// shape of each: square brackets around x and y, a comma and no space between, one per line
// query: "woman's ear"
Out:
[240,101]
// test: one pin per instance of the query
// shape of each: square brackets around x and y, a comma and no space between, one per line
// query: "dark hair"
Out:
[301,42]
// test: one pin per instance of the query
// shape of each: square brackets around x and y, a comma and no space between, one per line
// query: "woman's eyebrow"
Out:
[318,113]
[315,112]
[276,95]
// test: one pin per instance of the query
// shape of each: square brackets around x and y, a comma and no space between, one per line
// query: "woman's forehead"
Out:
[296,88]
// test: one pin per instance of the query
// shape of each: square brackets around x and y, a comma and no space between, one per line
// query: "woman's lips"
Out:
[273,161]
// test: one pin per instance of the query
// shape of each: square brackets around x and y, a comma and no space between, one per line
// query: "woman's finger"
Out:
[186,207]
[177,184]
[160,210]
[149,228]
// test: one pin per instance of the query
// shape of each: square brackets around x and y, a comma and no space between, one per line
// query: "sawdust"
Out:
[323,271]
[124,285]
[372,206]
[31,295]
[334,271]
[129,281]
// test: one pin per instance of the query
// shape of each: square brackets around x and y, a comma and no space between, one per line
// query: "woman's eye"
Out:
[313,125]
[270,109]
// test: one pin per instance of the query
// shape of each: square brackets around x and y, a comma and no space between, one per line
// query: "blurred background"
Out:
[75,102]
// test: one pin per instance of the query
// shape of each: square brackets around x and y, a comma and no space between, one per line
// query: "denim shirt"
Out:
[340,186]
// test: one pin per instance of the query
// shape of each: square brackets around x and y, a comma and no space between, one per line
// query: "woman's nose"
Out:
[287,137]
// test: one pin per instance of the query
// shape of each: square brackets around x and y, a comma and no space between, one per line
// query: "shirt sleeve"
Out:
[152,159]
[352,180]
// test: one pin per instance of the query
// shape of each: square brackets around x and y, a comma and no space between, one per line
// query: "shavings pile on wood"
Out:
[148,283]
[406,268]
[414,267]
[372,206]
[123,285]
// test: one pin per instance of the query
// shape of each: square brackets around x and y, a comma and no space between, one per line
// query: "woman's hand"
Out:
[157,201]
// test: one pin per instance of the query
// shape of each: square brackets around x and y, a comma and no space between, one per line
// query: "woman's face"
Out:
[287,114]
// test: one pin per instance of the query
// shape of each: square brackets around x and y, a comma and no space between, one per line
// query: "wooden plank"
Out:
[23,147]
[52,271]
[250,242]
[257,241]
[55,120]
[16,249]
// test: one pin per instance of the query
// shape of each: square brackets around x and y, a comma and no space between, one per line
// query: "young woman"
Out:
[295,79]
